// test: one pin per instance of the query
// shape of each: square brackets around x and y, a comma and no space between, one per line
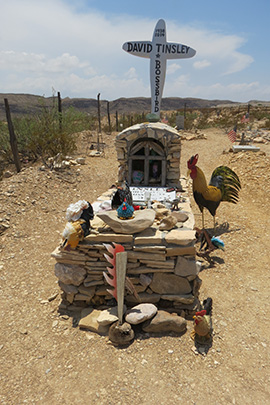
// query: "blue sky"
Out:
[75,47]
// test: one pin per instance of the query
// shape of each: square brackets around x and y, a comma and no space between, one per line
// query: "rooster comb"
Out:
[193,160]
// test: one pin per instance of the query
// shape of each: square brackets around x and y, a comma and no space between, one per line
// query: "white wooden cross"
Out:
[158,51]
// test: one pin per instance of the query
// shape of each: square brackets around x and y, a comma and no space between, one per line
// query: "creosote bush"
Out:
[45,134]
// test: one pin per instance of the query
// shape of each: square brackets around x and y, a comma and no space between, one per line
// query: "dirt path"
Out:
[46,359]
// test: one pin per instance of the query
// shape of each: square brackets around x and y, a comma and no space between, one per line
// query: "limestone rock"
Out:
[69,274]
[149,236]
[89,321]
[181,216]
[165,322]
[166,283]
[167,223]
[109,315]
[68,288]
[142,219]
[121,334]
[186,267]
[140,313]
[180,237]
[144,297]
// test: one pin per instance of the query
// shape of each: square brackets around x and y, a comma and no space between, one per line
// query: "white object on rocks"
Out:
[140,313]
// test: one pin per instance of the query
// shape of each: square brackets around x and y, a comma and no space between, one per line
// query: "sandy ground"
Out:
[46,359]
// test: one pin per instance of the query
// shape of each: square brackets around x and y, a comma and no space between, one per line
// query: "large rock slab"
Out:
[166,283]
[142,219]
[165,322]
[69,274]
[140,313]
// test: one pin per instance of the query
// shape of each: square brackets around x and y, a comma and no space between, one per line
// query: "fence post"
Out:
[59,110]
[12,137]
[116,121]
[109,118]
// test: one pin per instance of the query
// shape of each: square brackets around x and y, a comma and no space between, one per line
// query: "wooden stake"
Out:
[12,137]
[121,266]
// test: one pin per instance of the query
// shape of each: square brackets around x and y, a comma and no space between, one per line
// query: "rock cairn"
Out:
[161,264]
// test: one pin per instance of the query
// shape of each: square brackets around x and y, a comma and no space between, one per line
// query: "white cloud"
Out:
[201,64]
[172,68]
[80,54]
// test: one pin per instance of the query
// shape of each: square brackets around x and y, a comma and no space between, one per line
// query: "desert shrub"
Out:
[48,133]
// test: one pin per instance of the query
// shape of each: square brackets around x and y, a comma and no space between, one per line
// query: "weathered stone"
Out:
[183,299]
[121,334]
[180,215]
[89,321]
[109,237]
[69,274]
[109,315]
[82,297]
[68,288]
[186,267]
[146,269]
[167,223]
[180,251]
[144,297]
[150,249]
[169,284]
[165,322]
[168,264]
[89,291]
[142,219]
[145,279]
[161,213]
[92,283]
[140,313]
[149,236]
[180,237]
[146,256]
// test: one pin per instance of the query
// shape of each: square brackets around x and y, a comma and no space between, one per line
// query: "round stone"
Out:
[141,313]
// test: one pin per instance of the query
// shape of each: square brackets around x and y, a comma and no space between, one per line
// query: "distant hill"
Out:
[25,104]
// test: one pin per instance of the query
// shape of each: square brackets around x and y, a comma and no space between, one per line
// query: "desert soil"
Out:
[47,359]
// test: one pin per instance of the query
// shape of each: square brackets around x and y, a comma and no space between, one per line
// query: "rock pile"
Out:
[160,264]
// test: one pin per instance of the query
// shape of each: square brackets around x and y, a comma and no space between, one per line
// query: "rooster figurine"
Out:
[224,185]
[203,323]
[78,225]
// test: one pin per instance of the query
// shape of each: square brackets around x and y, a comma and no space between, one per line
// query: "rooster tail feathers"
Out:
[228,182]
[207,305]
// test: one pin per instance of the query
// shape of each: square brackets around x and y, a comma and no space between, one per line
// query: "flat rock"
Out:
[181,299]
[142,219]
[140,313]
[180,237]
[89,321]
[167,223]
[180,215]
[144,297]
[165,322]
[69,274]
[109,315]
[166,283]
[186,267]
[149,236]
